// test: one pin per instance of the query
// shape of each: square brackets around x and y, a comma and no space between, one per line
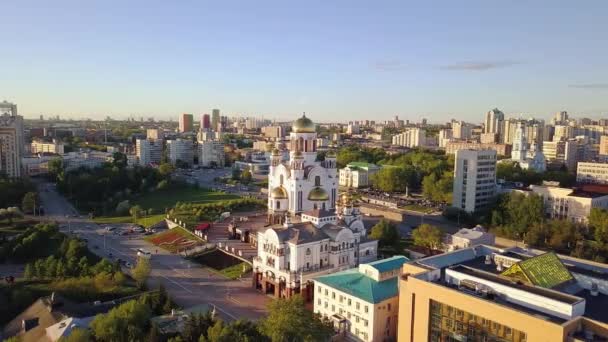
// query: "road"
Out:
[188,283]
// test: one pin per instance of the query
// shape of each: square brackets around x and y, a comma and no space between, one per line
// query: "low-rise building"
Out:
[569,204]
[596,173]
[485,293]
[357,174]
[363,302]
[453,146]
[89,159]
[41,146]
[469,237]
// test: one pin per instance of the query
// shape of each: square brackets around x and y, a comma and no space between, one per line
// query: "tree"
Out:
[394,179]
[28,204]
[123,208]
[236,173]
[127,322]
[141,271]
[438,189]
[385,232]
[598,221]
[119,160]
[55,166]
[427,236]
[246,176]
[165,170]
[289,320]
[136,212]
[162,185]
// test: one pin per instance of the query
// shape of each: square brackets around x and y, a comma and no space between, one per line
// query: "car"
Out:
[124,233]
[110,228]
[148,233]
[143,253]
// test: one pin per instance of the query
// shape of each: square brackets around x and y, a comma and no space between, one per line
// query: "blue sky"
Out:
[336,60]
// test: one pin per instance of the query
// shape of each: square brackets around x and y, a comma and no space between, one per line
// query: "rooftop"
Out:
[389,264]
[359,285]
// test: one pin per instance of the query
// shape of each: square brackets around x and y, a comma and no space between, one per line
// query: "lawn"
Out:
[418,208]
[159,200]
[221,263]
[174,239]
[144,221]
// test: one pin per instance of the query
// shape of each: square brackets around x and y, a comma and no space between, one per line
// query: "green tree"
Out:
[289,320]
[427,236]
[136,212]
[127,322]
[385,232]
[141,271]
[438,189]
[28,205]
[55,166]
[119,160]
[246,176]
[394,179]
[598,221]
[236,173]
[165,170]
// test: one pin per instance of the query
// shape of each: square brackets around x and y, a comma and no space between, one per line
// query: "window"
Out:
[319,301]
[349,302]
[333,295]
[366,309]
[319,289]
[333,308]
[317,181]
[326,292]
[388,307]
[357,305]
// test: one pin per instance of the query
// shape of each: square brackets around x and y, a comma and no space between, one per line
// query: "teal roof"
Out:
[391,263]
[361,286]
[362,165]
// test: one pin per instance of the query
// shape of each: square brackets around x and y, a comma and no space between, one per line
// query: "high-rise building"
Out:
[445,136]
[211,154]
[474,179]
[154,133]
[215,119]
[411,137]
[181,150]
[494,121]
[560,118]
[149,151]
[186,123]
[205,122]
[12,147]
[462,130]
[604,146]
[485,293]
[273,131]
[520,144]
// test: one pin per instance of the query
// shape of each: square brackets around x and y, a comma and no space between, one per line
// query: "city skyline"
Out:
[342,61]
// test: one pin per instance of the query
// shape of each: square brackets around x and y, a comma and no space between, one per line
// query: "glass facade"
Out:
[449,324]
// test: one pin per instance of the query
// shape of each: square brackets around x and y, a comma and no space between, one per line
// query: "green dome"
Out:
[318,194]
[278,193]
[303,125]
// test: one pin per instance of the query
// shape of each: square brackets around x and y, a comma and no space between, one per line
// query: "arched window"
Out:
[343,245]
[281,180]
[317,180]
[307,251]
[278,206]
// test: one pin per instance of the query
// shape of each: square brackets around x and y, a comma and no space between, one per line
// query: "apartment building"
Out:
[186,123]
[182,150]
[362,303]
[273,131]
[357,174]
[211,153]
[149,151]
[474,179]
[486,293]
[11,140]
[595,173]
[453,146]
[411,137]
[155,133]
[561,152]
[569,204]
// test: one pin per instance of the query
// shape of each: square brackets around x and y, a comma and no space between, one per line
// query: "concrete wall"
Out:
[394,215]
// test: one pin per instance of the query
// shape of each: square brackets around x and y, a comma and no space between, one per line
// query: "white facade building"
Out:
[182,150]
[494,121]
[469,237]
[462,130]
[357,174]
[362,303]
[596,173]
[211,153]
[411,137]
[54,147]
[474,179]
[568,204]
[149,151]
[445,136]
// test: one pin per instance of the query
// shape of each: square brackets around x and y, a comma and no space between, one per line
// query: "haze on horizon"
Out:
[337,61]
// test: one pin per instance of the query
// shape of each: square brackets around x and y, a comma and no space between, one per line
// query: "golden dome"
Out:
[275,152]
[278,193]
[318,194]
[303,125]
[269,146]
[298,154]
[331,154]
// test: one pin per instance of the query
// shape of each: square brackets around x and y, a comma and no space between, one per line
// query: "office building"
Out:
[474,179]
[362,303]
[205,122]
[41,146]
[154,134]
[593,173]
[181,150]
[211,154]
[149,151]
[215,120]
[411,137]
[186,123]
[12,147]
[494,121]
[357,174]
[569,204]
[484,293]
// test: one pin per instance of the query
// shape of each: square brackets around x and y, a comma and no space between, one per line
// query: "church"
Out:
[310,230]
